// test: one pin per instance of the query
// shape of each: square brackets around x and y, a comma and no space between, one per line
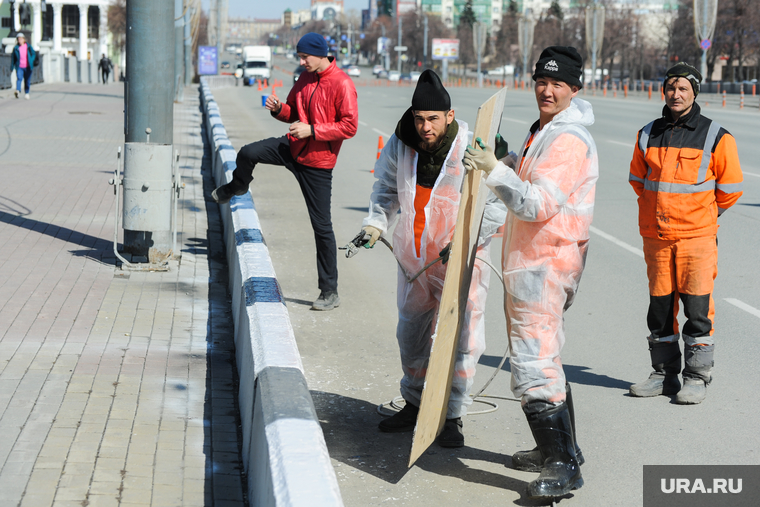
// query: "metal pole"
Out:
[424,48]
[703,67]
[188,46]
[179,48]
[479,41]
[594,18]
[219,30]
[399,42]
[149,114]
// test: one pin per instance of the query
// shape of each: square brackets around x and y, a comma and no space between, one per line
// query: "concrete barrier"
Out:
[214,82]
[284,449]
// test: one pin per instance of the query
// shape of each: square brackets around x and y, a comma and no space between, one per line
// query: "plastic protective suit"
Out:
[394,190]
[550,197]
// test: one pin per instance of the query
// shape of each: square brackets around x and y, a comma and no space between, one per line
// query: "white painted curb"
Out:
[284,449]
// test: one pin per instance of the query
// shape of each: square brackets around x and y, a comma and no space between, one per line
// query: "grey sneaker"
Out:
[224,193]
[327,300]
[693,392]
[657,384]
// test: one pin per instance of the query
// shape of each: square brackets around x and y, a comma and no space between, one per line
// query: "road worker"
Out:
[550,196]
[685,172]
[420,173]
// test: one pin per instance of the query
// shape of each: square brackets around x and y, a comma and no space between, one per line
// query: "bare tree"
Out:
[117,23]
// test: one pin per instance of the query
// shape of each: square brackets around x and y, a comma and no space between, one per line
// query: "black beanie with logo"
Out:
[430,95]
[562,63]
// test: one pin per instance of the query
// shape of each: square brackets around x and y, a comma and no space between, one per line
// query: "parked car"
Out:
[415,76]
[377,69]
[394,75]
[406,77]
[225,65]
[354,71]
[297,73]
[383,74]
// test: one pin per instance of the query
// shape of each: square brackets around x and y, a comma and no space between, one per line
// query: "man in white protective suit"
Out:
[550,196]
[420,173]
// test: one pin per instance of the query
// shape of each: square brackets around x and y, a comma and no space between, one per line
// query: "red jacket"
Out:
[326,100]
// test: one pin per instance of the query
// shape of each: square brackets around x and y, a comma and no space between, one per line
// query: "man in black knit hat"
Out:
[420,173]
[550,195]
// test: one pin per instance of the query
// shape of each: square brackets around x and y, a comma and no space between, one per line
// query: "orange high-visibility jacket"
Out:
[685,173]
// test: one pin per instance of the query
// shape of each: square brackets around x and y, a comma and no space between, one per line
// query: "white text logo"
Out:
[552,66]
[698,486]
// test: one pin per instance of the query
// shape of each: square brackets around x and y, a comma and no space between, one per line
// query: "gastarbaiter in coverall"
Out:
[425,184]
[685,172]
[550,196]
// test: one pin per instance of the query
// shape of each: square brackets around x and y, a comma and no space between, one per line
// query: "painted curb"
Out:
[284,449]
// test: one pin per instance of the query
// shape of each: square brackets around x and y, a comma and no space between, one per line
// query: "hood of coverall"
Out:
[429,163]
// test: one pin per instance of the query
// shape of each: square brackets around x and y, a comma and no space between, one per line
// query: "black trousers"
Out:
[316,187]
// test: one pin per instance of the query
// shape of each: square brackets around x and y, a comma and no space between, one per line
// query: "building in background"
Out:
[326,10]
[247,31]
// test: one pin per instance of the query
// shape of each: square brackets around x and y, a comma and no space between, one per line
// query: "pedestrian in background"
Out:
[105,67]
[22,61]
[685,172]
[322,111]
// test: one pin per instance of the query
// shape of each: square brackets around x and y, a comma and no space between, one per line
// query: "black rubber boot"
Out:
[530,461]
[402,421]
[666,361]
[553,432]
[696,374]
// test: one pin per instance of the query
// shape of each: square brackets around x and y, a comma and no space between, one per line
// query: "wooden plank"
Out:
[437,388]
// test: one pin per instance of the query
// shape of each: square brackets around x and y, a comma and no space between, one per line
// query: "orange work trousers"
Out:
[684,270]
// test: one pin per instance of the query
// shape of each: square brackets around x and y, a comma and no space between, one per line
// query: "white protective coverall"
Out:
[395,188]
[551,202]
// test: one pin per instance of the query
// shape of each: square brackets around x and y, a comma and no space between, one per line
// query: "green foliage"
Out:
[468,15]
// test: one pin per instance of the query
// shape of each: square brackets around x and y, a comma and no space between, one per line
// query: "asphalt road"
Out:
[351,356]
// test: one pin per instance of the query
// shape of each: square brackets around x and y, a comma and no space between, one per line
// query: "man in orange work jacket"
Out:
[686,172]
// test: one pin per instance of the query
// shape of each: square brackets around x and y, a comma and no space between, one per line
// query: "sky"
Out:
[274,9]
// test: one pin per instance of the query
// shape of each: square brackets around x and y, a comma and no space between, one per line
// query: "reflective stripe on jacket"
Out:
[327,101]
[684,172]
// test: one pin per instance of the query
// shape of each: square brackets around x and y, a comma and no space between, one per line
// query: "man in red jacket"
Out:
[322,111]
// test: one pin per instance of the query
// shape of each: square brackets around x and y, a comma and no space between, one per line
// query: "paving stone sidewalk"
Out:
[116,388]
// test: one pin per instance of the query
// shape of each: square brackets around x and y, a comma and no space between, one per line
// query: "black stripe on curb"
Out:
[259,289]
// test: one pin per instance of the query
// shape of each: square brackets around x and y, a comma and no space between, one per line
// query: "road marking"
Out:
[619,142]
[381,132]
[743,306]
[363,124]
[751,174]
[619,243]
[516,121]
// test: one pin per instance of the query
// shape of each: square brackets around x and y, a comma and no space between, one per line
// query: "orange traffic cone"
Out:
[380,146]
[258,81]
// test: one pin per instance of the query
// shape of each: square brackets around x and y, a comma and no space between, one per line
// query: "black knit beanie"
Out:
[562,63]
[430,95]
[684,70]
